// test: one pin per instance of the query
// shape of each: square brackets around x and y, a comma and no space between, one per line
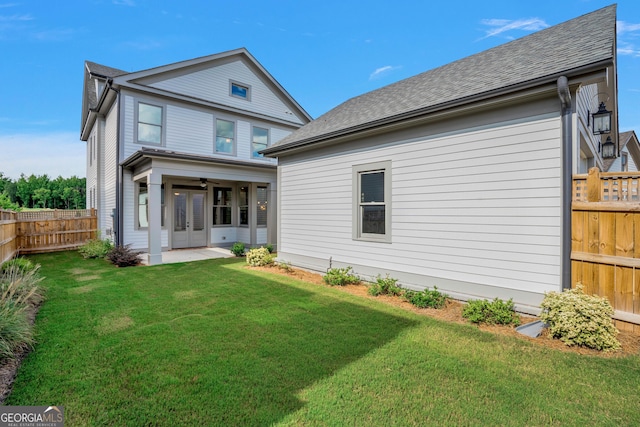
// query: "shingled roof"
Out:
[544,55]
[101,71]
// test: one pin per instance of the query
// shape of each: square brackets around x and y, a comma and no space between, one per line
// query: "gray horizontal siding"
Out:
[481,206]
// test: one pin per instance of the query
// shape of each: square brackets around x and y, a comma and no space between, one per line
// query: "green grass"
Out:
[214,343]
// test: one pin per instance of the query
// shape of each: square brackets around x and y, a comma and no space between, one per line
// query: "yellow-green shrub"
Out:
[580,319]
[259,257]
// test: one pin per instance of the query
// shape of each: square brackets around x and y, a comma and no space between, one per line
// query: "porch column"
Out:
[154,187]
[253,214]
[272,214]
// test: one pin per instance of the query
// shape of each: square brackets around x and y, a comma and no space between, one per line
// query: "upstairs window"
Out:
[239,90]
[372,202]
[260,141]
[624,159]
[225,134]
[149,123]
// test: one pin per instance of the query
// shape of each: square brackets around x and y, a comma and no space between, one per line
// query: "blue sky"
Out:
[322,52]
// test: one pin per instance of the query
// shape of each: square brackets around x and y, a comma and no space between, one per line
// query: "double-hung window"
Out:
[225,135]
[372,202]
[222,205]
[260,140]
[149,123]
[243,206]
[261,211]
[143,206]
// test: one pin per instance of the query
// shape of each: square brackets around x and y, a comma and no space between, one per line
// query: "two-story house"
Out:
[173,152]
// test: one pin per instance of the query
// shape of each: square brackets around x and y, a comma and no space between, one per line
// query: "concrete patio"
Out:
[194,254]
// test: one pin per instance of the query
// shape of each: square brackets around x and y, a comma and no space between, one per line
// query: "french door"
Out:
[189,219]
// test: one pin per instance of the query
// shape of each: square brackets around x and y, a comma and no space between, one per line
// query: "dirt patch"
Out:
[453,313]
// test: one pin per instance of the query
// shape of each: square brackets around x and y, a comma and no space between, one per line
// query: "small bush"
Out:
[124,256]
[96,248]
[269,247]
[21,263]
[385,286]
[238,249]
[19,287]
[496,312]
[427,298]
[286,266]
[340,277]
[259,257]
[579,319]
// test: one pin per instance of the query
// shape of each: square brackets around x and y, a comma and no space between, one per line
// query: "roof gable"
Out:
[208,79]
[545,55]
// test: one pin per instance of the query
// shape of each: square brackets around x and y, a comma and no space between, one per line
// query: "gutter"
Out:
[567,156]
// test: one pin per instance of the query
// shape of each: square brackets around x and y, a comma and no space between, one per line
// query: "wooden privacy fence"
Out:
[46,231]
[605,241]
[8,243]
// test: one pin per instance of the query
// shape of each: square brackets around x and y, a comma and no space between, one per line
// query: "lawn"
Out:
[216,343]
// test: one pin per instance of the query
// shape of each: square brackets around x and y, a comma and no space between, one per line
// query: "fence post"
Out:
[593,185]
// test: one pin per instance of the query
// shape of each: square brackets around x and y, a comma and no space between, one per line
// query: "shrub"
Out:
[385,286]
[96,248]
[124,256]
[269,247]
[238,249]
[259,257]
[340,277]
[427,298]
[19,287]
[15,330]
[495,312]
[21,263]
[286,266]
[579,319]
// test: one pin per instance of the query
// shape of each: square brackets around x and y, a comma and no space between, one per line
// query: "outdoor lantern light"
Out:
[601,120]
[608,149]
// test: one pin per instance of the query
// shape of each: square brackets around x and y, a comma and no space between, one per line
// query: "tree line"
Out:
[40,191]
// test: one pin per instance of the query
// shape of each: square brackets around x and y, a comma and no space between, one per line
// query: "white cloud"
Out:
[55,154]
[124,2]
[499,26]
[143,44]
[628,49]
[382,71]
[14,18]
[625,27]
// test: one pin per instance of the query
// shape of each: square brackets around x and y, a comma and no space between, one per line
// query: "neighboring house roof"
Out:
[627,141]
[573,46]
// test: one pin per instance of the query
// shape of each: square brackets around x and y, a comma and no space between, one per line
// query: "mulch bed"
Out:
[453,313]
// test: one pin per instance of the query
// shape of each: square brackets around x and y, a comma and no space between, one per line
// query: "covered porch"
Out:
[176,201]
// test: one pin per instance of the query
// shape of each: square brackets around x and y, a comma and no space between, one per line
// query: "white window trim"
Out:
[215,137]
[268,139]
[357,170]
[244,85]
[213,200]
[163,126]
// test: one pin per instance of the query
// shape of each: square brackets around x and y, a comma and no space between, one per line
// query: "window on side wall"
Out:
[149,124]
[260,141]
[225,135]
[143,206]
[624,160]
[222,206]
[372,202]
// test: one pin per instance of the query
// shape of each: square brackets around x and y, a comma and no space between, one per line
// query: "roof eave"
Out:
[301,145]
